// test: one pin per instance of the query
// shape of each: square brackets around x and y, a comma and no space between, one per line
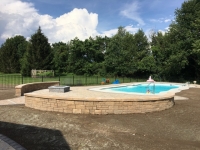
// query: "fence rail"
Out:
[10,81]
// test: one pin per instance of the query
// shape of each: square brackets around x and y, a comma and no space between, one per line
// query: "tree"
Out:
[183,33]
[39,54]
[130,51]
[11,53]
[86,57]
[60,59]
[125,53]
[142,54]
[196,57]
[160,52]
[93,49]
[176,52]
[114,54]
[76,57]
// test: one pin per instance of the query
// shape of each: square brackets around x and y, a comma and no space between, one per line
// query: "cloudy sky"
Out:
[63,20]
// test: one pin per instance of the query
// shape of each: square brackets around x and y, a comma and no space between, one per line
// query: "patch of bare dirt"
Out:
[7,94]
[175,128]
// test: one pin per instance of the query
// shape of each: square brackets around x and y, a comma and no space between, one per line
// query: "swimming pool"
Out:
[144,88]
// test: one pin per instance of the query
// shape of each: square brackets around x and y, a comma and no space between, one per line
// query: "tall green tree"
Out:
[76,57]
[176,52]
[125,53]
[100,45]
[93,49]
[160,52]
[129,53]
[86,57]
[39,53]
[143,59]
[183,33]
[60,59]
[11,53]
[114,54]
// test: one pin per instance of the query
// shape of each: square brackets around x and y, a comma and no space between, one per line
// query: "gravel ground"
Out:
[177,128]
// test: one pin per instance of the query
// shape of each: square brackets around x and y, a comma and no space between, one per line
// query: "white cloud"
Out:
[167,20]
[162,31]
[161,20]
[22,18]
[112,32]
[131,29]
[131,11]
[156,20]
[77,23]
[16,7]
[109,33]
[167,29]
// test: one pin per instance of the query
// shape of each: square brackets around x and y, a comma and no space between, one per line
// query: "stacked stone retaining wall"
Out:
[97,107]
[30,87]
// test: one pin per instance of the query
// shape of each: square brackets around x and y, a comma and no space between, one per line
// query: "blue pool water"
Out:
[144,88]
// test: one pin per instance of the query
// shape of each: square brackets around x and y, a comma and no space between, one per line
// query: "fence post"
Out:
[59,79]
[2,81]
[73,79]
[22,80]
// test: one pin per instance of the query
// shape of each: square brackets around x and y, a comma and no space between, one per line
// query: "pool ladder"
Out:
[149,89]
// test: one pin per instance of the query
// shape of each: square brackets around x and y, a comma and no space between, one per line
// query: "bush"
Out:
[45,74]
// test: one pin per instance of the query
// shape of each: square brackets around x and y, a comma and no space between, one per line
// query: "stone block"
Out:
[77,111]
[88,103]
[109,111]
[78,102]
[71,106]
[59,89]
[85,111]
[80,106]
[98,112]
[68,110]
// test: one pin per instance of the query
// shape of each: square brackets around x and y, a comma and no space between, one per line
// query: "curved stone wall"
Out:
[92,102]
[30,87]
[99,107]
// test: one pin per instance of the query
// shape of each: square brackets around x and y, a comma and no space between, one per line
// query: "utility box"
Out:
[59,89]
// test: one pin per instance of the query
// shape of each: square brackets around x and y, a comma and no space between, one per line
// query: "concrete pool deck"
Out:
[13,101]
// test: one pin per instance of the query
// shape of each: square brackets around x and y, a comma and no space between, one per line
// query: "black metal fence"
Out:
[10,81]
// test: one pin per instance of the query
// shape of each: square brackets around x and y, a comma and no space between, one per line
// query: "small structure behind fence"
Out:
[45,73]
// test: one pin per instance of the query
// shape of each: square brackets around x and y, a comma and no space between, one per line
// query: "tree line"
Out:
[174,55]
